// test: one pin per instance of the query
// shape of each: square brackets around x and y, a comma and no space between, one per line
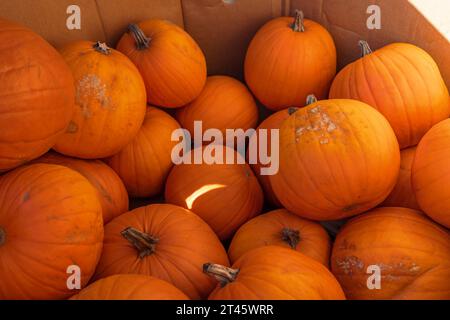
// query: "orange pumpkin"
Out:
[110,190]
[338,158]
[224,195]
[410,252]
[172,64]
[50,220]
[130,287]
[224,103]
[430,172]
[145,163]
[274,273]
[401,81]
[281,228]
[402,195]
[110,101]
[287,60]
[36,95]
[163,241]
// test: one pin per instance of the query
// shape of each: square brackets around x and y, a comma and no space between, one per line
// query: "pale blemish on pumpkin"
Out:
[350,265]
[316,120]
[26,196]
[72,127]
[91,87]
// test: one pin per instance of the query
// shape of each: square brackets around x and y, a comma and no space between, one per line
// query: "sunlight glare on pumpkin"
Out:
[198,193]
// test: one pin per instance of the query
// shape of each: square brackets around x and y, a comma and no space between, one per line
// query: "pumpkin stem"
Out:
[142,41]
[365,48]
[291,110]
[298,25]
[2,236]
[310,99]
[143,242]
[222,274]
[102,48]
[292,237]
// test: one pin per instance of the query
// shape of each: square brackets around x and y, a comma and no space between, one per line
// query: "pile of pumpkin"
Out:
[375,146]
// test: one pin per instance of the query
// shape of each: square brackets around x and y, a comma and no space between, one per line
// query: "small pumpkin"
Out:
[285,229]
[224,103]
[111,192]
[50,220]
[403,195]
[224,195]
[37,95]
[110,101]
[401,81]
[288,59]
[411,252]
[163,241]
[171,63]
[130,287]
[430,172]
[146,161]
[274,273]
[338,158]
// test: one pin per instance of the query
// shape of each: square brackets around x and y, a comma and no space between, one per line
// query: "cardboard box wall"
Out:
[223,28]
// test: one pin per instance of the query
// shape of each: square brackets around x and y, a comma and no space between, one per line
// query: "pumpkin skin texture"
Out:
[401,81]
[145,163]
[37,95]
[403,195]
[430,173]
[279,60]
[224,103]
[130,287]
[173,245]
[338,158]
[412,252]
[50,219]
[172,64]
[285,229]
[110,101]
[276,273]
[111,192]
[224,195]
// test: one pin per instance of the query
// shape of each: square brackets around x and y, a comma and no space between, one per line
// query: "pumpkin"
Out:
[163,241]
[272,122]
[171,63]
[37,95]
[146,161]
[110,101]
[403,195]
[410,252]
[130,287]
[401,81]
[274,273]
[224,195]
[289,59]
[430,172]
[225,103]
[50,220]
[285,229]
[338,158]
[111,192]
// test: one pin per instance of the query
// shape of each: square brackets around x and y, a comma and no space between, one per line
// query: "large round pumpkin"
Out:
[285,229]
[110,101]
[288,59]
[403,195]
[410,252]
[164,241]
[338,158]
[224,195]
[37,95]
[172,64]
[430,173]
[145,163]
[50,220]
[224,103]
[401,81]
[110,189]
[130,287]
[274,273]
